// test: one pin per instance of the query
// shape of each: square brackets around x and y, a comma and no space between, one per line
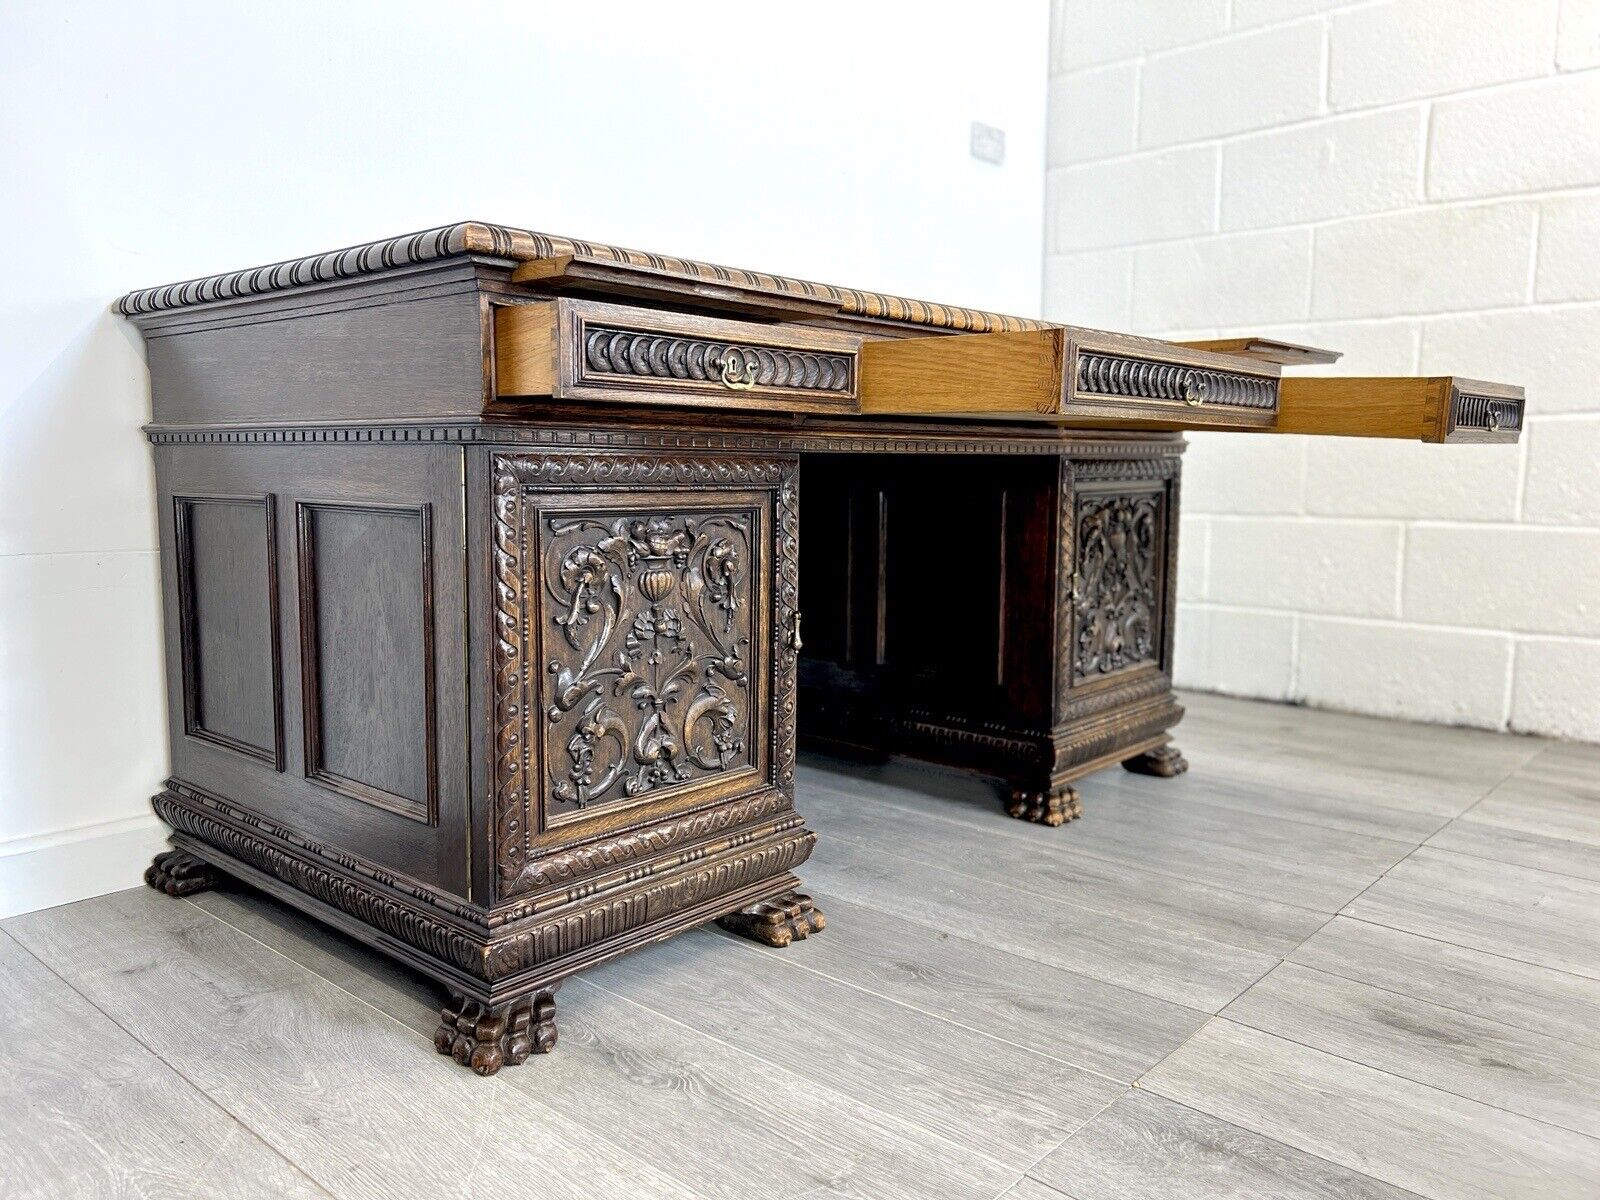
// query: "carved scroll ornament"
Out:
[649,644]
[1116,600]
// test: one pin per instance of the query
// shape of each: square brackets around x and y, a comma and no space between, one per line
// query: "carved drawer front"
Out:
[1119,586]
[1070,377]
[654,612]
[586,350]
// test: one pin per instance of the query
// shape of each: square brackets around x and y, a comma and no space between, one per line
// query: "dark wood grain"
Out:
[367,653]
[418,359]
[410,478]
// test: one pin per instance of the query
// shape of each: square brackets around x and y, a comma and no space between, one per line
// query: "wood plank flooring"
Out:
[1342,957]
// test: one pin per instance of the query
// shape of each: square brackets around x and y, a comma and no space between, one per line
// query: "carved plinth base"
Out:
[179,873]
[1048,806]
[1165,761]
[486,1039]
[777,922]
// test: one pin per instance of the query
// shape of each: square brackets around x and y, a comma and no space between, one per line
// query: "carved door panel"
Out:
[1123,548]
[652,603]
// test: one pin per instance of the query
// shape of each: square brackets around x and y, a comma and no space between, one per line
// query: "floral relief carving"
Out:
[1117,591]
[649,651]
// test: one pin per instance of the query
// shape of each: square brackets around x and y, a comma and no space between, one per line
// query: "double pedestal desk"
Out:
[483,579]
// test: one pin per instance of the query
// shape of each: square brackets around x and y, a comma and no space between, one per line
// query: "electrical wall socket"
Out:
[988,143]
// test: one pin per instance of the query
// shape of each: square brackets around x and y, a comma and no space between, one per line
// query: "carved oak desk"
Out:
[483,579]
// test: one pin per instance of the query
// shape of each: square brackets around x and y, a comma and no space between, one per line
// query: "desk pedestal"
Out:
[1011,614]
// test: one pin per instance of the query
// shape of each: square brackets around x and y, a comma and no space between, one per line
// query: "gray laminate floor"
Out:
[1342,957]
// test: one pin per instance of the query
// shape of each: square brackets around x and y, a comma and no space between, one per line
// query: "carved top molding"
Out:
[520,246]
[955,440]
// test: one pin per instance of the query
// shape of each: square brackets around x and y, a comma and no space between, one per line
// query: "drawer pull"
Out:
[793,639]
[738,371]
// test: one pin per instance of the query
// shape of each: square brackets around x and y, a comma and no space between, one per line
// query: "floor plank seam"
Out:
[1121,790]
[1350,916]
[1034,841]
[1124,792]
[857,840]
[493,1084]
[1024,953]
[483,1140]
[315,974]
[1030,835]
[1506,862]
[1019,954]
[173,1067]
[1277,1141]
[1076,1130]
[888,1118]
[1499,783]
[1405,1079]
[744,946]
[1389,991]
[1344,909]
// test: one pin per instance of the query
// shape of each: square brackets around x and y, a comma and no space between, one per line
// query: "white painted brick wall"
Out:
[1417,183]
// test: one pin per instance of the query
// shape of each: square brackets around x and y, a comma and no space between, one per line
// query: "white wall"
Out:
[149,142]
[1411,181]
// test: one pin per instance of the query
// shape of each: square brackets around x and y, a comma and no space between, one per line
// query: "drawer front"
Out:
[1484,412]
[650,675]
[1177,387]
[1115,377]
[608,352]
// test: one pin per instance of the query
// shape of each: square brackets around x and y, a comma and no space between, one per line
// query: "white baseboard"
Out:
[75,864]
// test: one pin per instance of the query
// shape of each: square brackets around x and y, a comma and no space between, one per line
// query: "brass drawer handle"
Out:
[738,371]
[793,639]
[1194,391]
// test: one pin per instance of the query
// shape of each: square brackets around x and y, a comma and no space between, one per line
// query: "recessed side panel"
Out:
[228,623]
[366,630]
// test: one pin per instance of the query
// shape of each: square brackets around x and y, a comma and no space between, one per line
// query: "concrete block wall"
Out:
[1417,183]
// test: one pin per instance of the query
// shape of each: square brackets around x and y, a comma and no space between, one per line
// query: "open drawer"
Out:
[587,350]
[1069,377]
[1442,408]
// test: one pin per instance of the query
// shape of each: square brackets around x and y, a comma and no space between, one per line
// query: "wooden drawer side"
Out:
[1440,408]
[1069,376]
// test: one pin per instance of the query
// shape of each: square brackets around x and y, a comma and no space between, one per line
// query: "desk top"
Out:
[512,318]
[561,255]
